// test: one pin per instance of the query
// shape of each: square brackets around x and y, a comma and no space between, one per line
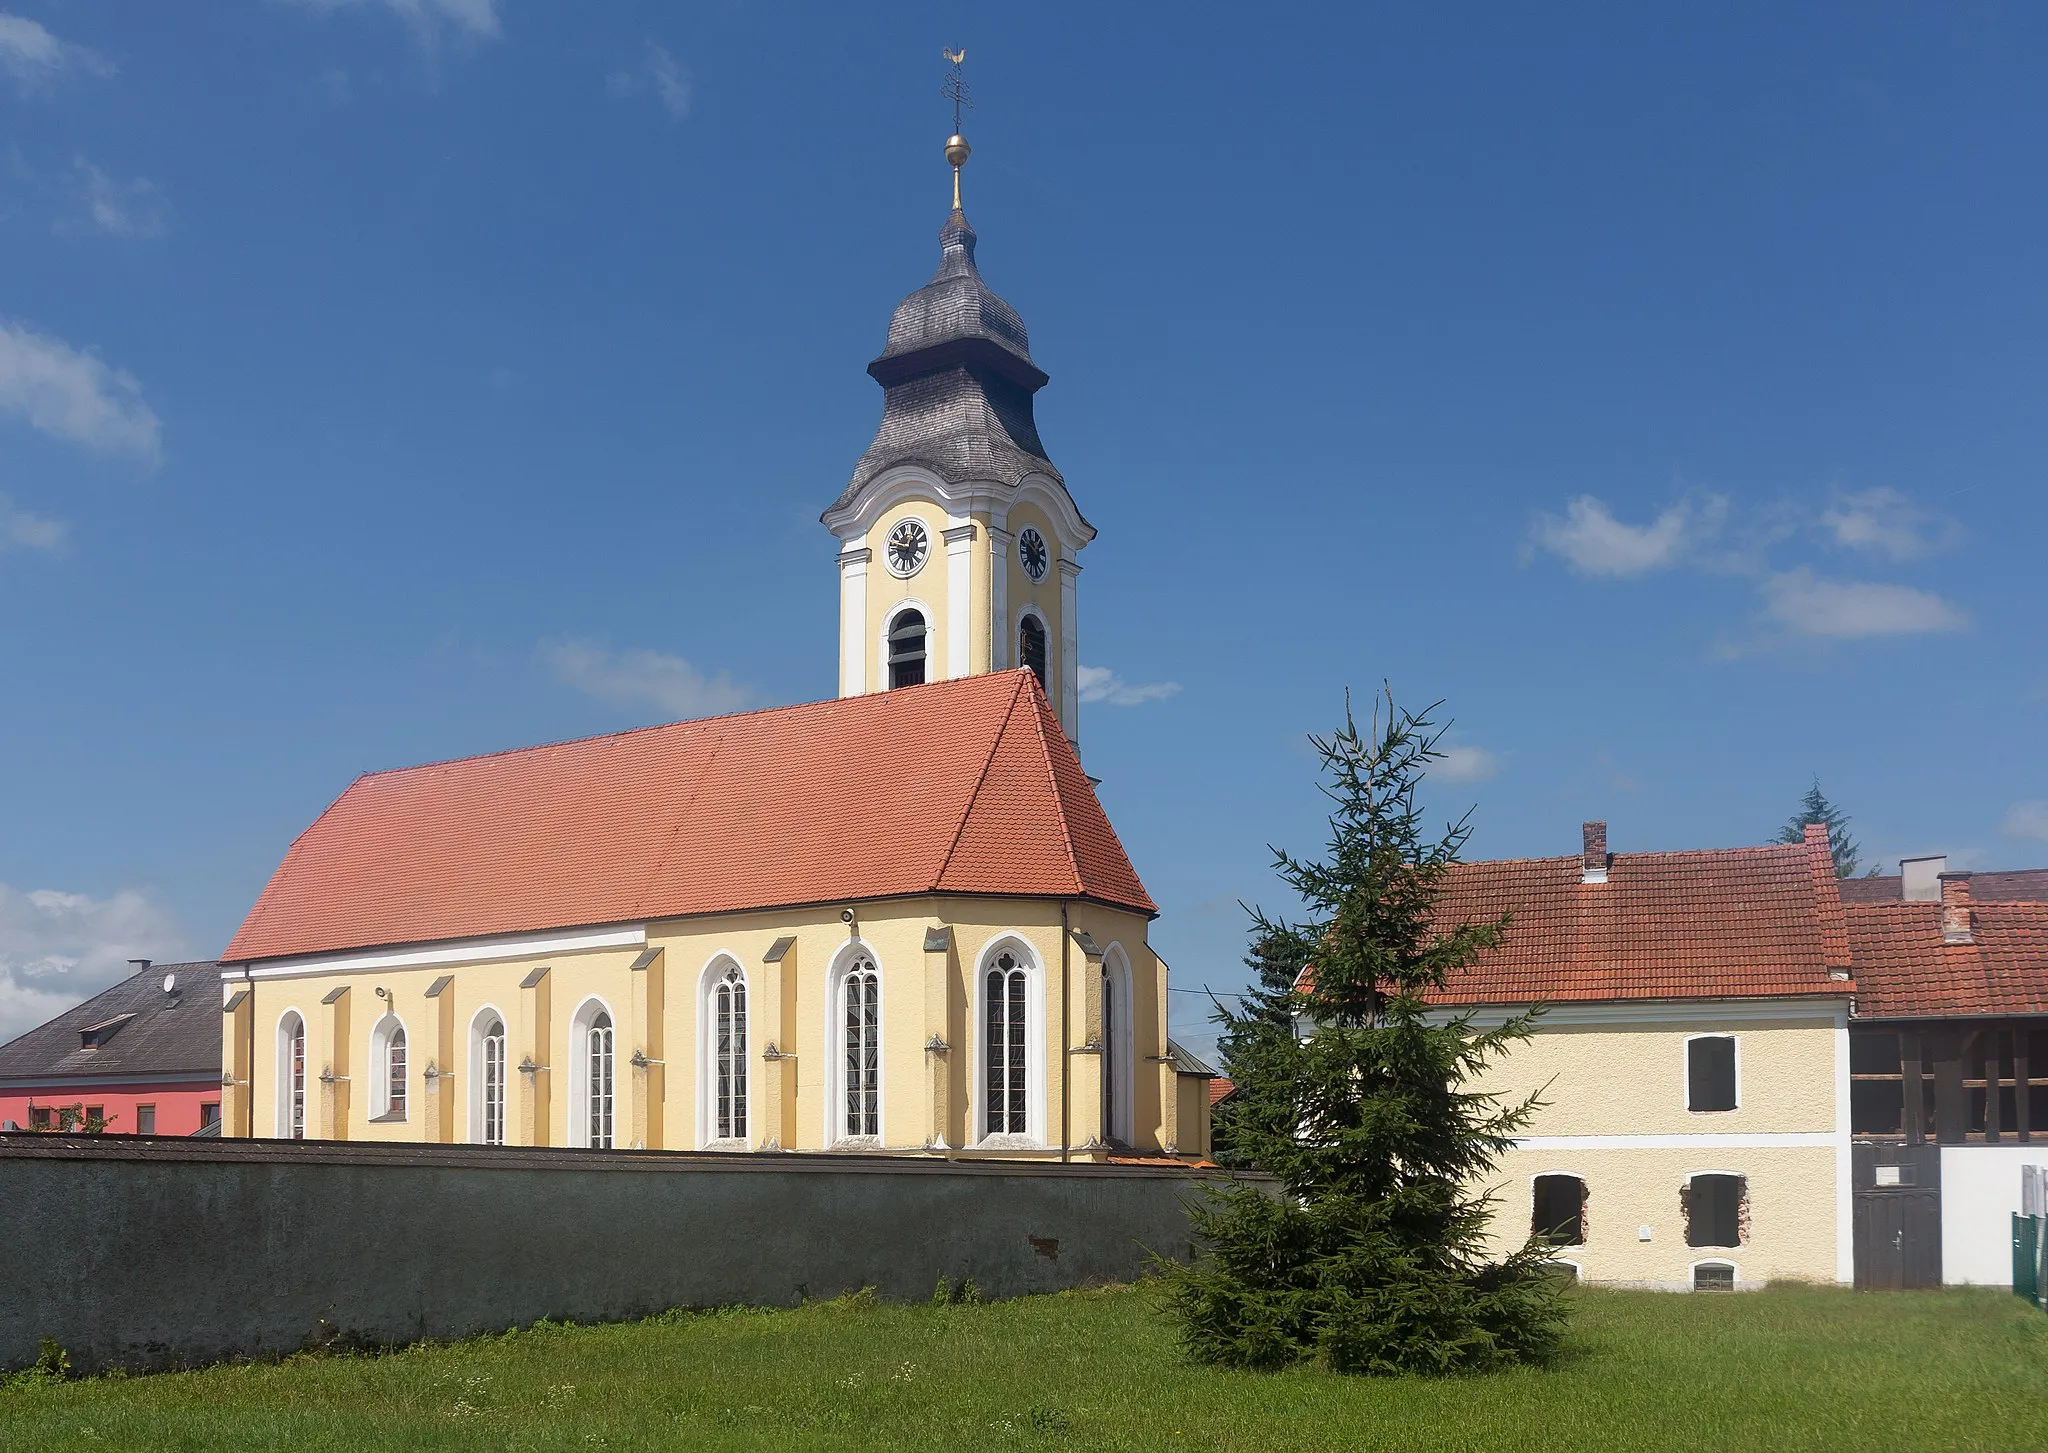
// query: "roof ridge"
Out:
[1043,710]
[1574,859]
[995,742]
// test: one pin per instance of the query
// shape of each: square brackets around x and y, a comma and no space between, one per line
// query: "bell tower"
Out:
[957,537]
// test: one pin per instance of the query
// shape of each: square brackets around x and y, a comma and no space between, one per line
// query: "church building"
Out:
[720,935]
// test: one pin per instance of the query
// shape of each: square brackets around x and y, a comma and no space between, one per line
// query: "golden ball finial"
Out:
[957,149]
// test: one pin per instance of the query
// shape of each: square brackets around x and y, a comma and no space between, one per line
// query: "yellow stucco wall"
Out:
[925,1097]
[1791,1223]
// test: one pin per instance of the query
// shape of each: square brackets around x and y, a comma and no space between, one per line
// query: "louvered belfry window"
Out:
[729,1014]
[863,1050]
[1007,989]
[1031,648]
[906,650]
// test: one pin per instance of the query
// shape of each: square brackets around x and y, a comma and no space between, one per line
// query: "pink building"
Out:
[144,1056]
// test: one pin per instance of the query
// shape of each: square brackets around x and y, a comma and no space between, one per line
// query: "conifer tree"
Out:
[1815,807]
[1260,1030]
[1372,1258]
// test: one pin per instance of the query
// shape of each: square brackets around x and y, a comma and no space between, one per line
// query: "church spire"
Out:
[957,149]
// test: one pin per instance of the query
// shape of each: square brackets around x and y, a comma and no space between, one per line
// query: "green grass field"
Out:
[1781,1369]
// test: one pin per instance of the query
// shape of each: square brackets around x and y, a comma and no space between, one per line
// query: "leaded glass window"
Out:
[394,1073]
[295,1079]
[1007,990]
[863,1046]
[729,1055]
[598,1050]
[494,1083]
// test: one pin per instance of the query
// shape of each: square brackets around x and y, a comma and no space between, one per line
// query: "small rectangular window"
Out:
[95,1115]
[1560,1210]
[145,1119]
[209,1114]
[39,1118]
[1710,1072]
[1713,1276]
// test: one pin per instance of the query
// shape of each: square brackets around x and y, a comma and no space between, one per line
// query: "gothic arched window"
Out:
[291,1077]
[487,1057]
[861,1041]
[598,1063]
[729,1056]
[906,649]
[1112,1056]
[1031,648]
[391,1071]
[1007,989]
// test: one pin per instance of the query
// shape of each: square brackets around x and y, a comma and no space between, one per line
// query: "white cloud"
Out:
[72,395]
[2027,819]
[19,527]
[475,17]
[59,948]
[1594,541]
[644,678]
[660,74]
[1884,522]
[32,57]
[1100,684]
[1844,609]
[1467,764]
[107,204]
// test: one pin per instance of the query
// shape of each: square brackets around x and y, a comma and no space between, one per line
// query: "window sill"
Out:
[389,1118]
[858,1144]
[1007,1142]
[725,1145]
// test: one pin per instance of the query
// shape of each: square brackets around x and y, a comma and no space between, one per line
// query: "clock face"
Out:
[908,546]
[1032,553]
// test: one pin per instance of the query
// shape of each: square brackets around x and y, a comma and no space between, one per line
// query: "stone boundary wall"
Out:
[150,1253]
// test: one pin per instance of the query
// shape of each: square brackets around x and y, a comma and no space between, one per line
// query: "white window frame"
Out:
[479,1086]
[383,1035]
[708,980]
[1685,1072]
[580,1025]
[854,951]
[285,1022]
[1034,1136]
[1119,1048]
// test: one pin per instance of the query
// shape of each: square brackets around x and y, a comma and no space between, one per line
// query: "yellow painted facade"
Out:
[1093,983]
[1615,1114]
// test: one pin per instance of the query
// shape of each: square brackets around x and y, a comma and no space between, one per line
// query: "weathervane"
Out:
[955,90]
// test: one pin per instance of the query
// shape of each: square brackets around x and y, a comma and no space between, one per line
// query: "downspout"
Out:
[1066,1056]
[249,1089]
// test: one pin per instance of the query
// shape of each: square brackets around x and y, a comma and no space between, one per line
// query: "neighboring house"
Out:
[1693,1060]
[1949,1064]
[144,1056]
[899,921]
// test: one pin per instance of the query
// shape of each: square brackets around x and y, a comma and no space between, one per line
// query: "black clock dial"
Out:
[1031,551]
[908,545]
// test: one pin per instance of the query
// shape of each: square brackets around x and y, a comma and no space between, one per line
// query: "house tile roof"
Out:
[2015,885]
[1221,1089]
[1904,969]
[174,1035]
[965,786]
[1727,923]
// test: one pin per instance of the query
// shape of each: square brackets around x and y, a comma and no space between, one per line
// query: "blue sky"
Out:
[401,379]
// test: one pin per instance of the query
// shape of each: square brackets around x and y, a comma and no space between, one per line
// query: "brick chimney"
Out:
[1955,908]
[1593,859]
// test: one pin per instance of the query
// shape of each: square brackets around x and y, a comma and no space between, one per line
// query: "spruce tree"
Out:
[1814,807]
[1372,1258]
[1252,1036]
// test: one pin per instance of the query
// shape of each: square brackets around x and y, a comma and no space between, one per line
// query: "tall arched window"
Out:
[860,991]
[729,1056]
[598,1058]
[1007,988]
[387,1069]
[1031,647]
[1112,1057]
[487,1060]
[906,649]
[291,1078]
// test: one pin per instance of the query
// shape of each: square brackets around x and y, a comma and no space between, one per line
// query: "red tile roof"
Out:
[1221,1089]
[964,786]
[1905,970]
[1724,923]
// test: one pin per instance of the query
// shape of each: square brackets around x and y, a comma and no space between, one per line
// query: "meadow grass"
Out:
[1790,1368]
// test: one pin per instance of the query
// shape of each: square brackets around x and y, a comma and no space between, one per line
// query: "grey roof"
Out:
[2012,885]
[1186,1064]
[175,1035]
[957,380]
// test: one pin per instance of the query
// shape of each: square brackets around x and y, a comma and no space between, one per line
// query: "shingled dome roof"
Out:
[957,380]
